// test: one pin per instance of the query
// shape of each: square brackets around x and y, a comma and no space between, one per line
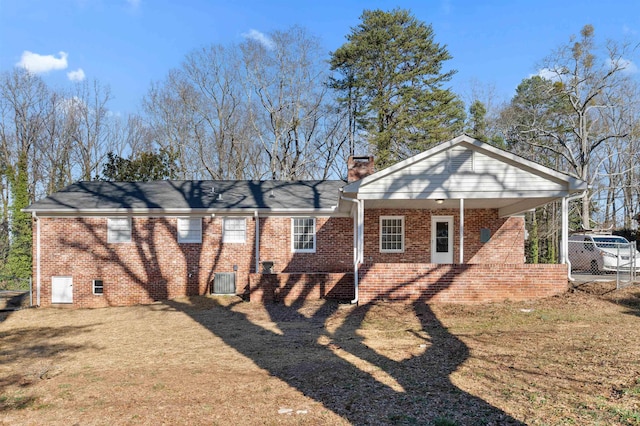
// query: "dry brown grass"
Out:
[572,359]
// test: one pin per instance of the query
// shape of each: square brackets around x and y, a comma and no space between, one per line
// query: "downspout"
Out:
[564,258]
[358,239]
[461,231]
[36,219]
[257,240]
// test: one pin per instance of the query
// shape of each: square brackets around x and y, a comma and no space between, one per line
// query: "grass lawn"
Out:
[573,359]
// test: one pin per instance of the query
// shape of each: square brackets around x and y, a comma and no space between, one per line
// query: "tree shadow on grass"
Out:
[334,366]
[33,349]
[338,368]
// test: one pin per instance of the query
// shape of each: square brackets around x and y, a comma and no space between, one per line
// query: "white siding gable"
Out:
[462,171]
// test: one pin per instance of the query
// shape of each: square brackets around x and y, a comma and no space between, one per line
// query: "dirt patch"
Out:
[571,359]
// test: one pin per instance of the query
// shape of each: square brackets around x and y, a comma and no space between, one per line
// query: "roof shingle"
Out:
[194,195]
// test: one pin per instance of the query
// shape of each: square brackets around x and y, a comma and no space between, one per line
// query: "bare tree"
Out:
[220,141]
[285,83]
[88,121]
[250,111]
[567,114]
[616,186]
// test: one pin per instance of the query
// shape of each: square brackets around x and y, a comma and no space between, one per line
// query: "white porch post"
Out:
[361,231]
[357,212]
[359,251]
[461,230]
[564,242]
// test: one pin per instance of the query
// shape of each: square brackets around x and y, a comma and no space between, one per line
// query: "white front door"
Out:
[61,290]
[442,239]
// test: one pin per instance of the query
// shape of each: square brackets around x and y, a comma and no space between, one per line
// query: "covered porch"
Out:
[447,225]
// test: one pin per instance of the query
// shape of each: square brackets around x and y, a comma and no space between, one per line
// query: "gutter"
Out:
[328,211]
[257,239]
[358,238]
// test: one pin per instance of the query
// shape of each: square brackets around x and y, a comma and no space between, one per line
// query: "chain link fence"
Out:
[15,293]
[606,256]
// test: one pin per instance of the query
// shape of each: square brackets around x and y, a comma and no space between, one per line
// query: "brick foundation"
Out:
[291,288]
[470,283]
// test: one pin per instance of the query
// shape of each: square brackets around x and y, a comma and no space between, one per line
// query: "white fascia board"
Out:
[454,195]
[187,212]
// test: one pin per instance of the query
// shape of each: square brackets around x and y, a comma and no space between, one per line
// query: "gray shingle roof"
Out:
[195,195]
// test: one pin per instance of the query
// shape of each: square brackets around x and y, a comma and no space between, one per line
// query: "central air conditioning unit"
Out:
[224,283]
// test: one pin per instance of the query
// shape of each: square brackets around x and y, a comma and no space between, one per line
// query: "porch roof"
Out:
[464,168]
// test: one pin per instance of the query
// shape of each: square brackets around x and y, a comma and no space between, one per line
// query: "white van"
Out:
[599,253]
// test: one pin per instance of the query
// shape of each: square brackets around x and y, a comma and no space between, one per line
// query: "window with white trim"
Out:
[98,287]
[303,234]
[391,234]
[189,230]
[234,230]
[119,230]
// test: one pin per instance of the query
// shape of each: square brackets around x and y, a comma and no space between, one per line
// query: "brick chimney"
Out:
[359,167]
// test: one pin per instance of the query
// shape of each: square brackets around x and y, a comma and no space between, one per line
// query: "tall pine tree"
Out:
[389,75]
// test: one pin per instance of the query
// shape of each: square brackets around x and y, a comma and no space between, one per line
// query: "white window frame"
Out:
[233,233]
[293,235]
[93,282]
[189,229]
[402,232]
[115,226]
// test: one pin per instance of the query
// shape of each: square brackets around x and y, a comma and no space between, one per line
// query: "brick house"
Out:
[446,225]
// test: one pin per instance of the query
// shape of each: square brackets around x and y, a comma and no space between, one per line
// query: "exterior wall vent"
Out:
[460,160]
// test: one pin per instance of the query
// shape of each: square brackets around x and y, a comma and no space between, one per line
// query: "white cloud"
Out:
[548,74]
[77,75]
[261,38]
[39,64]
[625,65]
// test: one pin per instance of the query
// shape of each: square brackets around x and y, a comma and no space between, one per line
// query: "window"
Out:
[119,230]
[303,234]
[234,230]
[98,287]
[391,234]
[189,230]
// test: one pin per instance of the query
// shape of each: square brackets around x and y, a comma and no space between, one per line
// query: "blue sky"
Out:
[127,44]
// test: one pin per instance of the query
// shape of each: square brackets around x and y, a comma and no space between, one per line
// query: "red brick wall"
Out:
[155,267]
[469,283]
[505,246]
[290,288]
[334,245]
